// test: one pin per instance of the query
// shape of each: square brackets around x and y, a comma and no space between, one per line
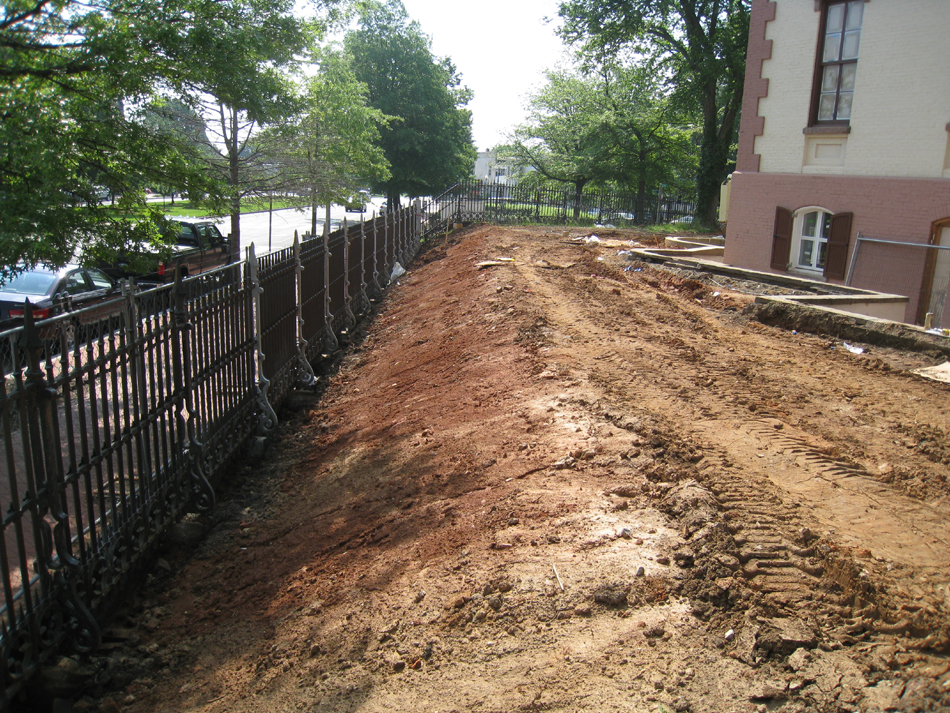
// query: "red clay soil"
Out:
[567,481]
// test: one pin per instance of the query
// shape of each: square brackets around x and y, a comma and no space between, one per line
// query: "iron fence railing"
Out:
[474,200]
[118,419]
[917,270]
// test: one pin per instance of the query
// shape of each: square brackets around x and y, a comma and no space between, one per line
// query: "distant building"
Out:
[843,170]
[489,168]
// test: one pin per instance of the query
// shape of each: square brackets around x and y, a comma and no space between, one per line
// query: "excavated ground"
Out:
[567,482]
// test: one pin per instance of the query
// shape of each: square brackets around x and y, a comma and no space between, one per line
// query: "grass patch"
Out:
[187,209]
[681,228]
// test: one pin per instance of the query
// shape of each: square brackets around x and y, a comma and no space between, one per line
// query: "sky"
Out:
[500,47]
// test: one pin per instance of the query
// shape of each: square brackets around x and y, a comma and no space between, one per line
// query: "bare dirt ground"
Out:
[567,482]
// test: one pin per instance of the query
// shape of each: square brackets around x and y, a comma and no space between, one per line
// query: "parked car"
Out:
[357,203]
[197,246]
[52,291]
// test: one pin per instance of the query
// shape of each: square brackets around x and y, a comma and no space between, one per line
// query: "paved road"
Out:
[275,231]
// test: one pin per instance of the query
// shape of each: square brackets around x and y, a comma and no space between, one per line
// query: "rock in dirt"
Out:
[784,636]
[799,659]
[458,602]
[885,696]
[613,595]
[692,504]
[684,558]
[767,691]
[65,678]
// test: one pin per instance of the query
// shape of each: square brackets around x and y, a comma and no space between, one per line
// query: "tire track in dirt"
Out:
[556,484]
[746,459]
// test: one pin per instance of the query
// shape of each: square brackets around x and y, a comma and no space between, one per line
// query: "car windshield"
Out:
[29,283]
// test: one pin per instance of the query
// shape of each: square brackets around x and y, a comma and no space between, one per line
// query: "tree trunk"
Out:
[313,213]
[714,155]
[578,195]
[234,178]
[640,217]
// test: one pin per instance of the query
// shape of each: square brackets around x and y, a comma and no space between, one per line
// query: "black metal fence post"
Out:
[200,493]
[307,377]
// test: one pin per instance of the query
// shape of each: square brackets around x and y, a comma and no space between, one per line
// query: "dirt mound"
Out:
[565,481]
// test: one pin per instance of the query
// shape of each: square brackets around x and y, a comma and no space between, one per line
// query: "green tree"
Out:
[564,138]
[652,139]
[702,46]
[428,143]
[329,150]
[76,82]
[181,122]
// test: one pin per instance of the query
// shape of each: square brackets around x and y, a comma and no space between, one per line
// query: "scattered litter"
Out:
[715,294]
[592,239]
[398,271]
[939,332]
[853,349]
[495,262]
[941,372]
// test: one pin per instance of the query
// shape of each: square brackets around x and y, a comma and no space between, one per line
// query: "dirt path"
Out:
[568,482]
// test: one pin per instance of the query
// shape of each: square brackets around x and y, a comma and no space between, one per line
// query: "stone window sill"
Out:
[833,129]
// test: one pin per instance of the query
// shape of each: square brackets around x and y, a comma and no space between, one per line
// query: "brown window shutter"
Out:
[836,261]
[781,238]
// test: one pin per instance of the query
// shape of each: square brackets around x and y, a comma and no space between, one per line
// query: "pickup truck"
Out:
[197,247]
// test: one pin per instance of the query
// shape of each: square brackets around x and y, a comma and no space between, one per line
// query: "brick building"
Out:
[843,170]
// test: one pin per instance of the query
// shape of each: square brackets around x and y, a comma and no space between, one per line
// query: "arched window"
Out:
[811,240]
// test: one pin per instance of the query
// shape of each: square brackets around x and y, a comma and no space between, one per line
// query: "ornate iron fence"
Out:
[474,200]
[117,419]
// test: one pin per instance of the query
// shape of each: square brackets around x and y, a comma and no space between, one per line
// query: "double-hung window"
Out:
[837,61]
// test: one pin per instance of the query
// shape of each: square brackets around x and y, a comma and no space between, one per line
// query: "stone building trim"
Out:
[756,87]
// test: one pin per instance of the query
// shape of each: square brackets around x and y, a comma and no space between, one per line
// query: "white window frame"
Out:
[798,224]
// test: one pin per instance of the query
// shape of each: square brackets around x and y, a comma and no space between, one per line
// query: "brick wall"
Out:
[887,208]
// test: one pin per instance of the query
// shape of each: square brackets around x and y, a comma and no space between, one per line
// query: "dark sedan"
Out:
[52,291]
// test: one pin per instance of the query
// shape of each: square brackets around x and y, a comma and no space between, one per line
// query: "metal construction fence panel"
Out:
[118,419]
